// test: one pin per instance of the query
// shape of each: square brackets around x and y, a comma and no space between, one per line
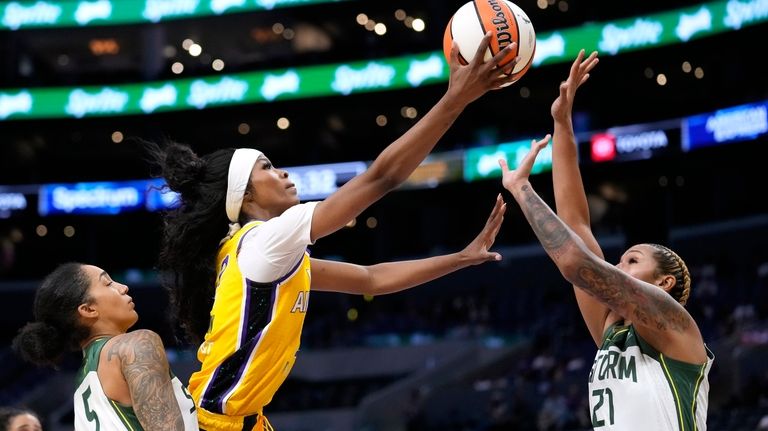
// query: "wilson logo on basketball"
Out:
[503,37]
[506,22]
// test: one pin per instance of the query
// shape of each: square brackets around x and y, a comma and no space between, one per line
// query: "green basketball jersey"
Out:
[95,412]
[633,387]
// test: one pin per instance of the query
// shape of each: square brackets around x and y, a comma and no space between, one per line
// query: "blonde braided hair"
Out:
[669,263]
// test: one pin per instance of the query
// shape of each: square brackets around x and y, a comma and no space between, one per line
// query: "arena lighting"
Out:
[609,38]
[100,47]
[19,15]
[195,50]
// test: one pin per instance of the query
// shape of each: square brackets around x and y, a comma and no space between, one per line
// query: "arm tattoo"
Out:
[146,371]
[550,230]
[649,306]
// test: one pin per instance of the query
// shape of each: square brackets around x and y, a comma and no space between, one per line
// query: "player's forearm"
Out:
[560,243]
[570,198]
[397,276]
[567,250]
[643,303]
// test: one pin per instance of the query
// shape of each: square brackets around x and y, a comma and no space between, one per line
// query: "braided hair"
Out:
[669,263]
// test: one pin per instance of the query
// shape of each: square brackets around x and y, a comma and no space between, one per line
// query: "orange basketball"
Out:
[507,23]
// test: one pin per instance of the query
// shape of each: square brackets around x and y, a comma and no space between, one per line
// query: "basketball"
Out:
[507,23]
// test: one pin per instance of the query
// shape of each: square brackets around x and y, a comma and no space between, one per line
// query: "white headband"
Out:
[240,168]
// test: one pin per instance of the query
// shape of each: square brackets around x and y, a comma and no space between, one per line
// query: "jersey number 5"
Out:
[90,414]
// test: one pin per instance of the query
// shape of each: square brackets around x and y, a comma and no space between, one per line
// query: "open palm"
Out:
[561,107]
[511,178]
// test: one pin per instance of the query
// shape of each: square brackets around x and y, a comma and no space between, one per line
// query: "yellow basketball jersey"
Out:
[252,339]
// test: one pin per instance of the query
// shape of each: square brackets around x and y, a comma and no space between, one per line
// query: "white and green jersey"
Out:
[633,387]
[95,412]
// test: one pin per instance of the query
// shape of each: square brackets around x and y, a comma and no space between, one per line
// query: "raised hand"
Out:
[469,82]
[512,178]
[477,251]
[561,107]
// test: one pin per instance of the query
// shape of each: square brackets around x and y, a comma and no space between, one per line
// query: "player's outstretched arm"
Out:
[392,277]
[659,318]
[145,368]
[570,198]
[396,163]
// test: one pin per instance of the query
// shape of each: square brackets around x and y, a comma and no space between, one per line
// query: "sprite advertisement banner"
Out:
[483,162]
[16,15]
[376,75]
[200,93]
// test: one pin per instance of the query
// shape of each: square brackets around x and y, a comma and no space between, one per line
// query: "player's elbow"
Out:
[388,178]
[389,181]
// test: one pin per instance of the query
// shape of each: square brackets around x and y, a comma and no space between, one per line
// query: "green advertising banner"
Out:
[483,162]
[651,31]
[376,75]
[201,93]
[17,15]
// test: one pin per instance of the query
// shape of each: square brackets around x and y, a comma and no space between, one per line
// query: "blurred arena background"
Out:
[672,128]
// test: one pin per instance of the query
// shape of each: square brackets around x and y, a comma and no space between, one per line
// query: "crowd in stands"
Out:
[544,388]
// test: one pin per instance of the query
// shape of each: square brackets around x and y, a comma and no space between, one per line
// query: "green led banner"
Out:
[252,87]
[375,75]
[650,31]
[17,15]
[483,162]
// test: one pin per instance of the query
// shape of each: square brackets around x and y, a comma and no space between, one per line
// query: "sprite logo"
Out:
[641,32]
[275,85]
[89,11]
[269,4]
[228,89]
[421,70]
[105,101]
[17,15]
[156,10]
[11,104]
[220,6]
[373,75]
[739,13]
[154,98]
[551,47]
[692,24]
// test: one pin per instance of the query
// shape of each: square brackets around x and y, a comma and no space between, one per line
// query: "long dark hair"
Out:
[192,231]
[57,328]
